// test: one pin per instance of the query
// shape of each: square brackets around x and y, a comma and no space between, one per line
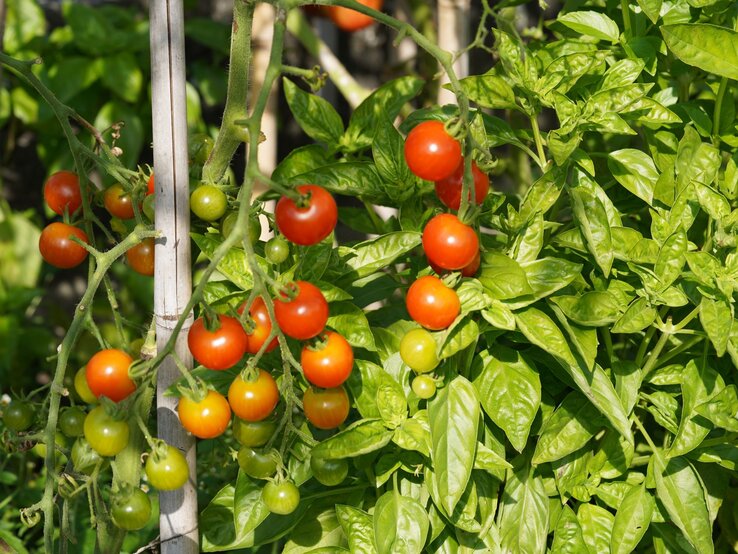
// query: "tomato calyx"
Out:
[196,390]
[288,292]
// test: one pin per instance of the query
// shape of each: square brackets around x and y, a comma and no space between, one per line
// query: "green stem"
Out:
[653,356]
[644,433]
[627,31]
[539,141]
[719,106]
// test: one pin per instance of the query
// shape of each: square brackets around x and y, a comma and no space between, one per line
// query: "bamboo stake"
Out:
[172,281]
[453,36]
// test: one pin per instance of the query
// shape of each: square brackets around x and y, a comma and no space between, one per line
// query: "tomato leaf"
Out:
[400,524]
[361,437]
[314,114]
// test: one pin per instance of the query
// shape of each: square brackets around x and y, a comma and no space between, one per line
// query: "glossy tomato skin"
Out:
[330,364]
[141,257]
[58,249]
[253,400]
[169,472]
[276,250]
[430,152]
[418,350]
[424,386]
[82,388]
[310,224]
[208,202]
[256,463]
[219,349]
[18,415]
[431,303]
[61,190]
[262,327]
[449,189]
[71,422]
[107,374]
[304,316]
[106,435]
[133,512]
[150,184]
[329,472]
[351,20]
[449,243]
[118,202]
[253,433]
[206,419]
[469,270]
[326,408]
[281,498]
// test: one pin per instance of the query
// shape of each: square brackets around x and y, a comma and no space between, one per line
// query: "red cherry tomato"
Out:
[206,419]
[304,316]
[58,249]
[118,202]
[351,20]
[141,257]
[107,374]
[253,400]
[467,271]
[309,224]
[219,349]
[431,303]
[330,364]
[325,408]
[448,190]
[449,243]
[262,327]
[430,152]
[61,191]
[150,184]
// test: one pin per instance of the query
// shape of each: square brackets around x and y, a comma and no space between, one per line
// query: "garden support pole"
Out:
[453,36]
[173,281]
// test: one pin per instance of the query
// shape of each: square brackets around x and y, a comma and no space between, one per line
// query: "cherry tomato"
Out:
[253,400]
[418,350]
[107,374]
[219,349]
[431,303]
[257,464]
[308,224]
[325,408]
[229,222]
[71,422]
[118,202]
[168,472]
[351,20]
[82,388]
[208,202]
[276,250]
[330,364]
[141,257]
[430,152]
[58,249]
[199,147]
[281,498]
[424,386]
[105,434]
[449,189]
[304,316]
[206,419]
[467,271]
[329,472]
[61,191]
[19,415]
[84,458]
[262,327]
[150,184]
[449,243]
[133,512]
[253,433]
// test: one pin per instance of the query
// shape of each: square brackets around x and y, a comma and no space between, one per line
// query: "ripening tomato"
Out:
[167,472]
[206,419]
[329,363]
[107,374]
[118,202]
[61,190]
[281,498]
[351,20]
[418,350]
[256,463]
[305,315]
[469,270]
[105,434]
[424,386]
[309,223]
[150,184]
[219,349]
[253,433]
[329,472]
[253,400]
[449,243]
[262,327]
[449,189]
[141,257]
[57,247]
[430,152]
[133,512]
[325,408]
[431,303]
[82,388]
[208,202]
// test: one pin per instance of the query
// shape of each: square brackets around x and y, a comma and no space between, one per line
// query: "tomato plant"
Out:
[329,472]
[107,374]
[167,470]
[448,190]
[18,415]
[105,434]
[253,433]
[430,152]
[253,400]
[208,202]
[218,349]
[131,512]
[61,192]
[141,257]
[326,408]
[308,220]
[58,248]
[276,250]
[118,202]
[82,387]
[303,316]
[281,498]
[431,303]
[262,327]
[328,363]
[350,20]
[257,464]
[71,422]
[418,350]
[206,419]
[449,243]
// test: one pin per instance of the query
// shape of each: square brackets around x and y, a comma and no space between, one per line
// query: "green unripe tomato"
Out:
[418,350]
[229,222]
[208,202]
[329,472]
[281,498]
[199,147]
[276,250]
[71,422]
[169,472]
[257,464]
[133,512]
[253,433]
[424,386]
[82,387]
[18,416]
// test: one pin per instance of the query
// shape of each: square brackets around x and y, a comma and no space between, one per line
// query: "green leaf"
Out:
[524,510]
[621,73]
[592,24]
[717,319]
[24,21]
[671,259]
[454,416]
[361,437]
[392,405]
[364,382]
[591,309]
[400,524]
[358,527]
[233,266]
[631,520]
[317,532]
[635,171]
[350,321]
[637,317]
[462,334]
[301,160]
[568,538]
[711,48]
[122,75]
[367,257]
[20,259]
[413,434]
[510,391]
[592,221]
[596,525]
[489,91]
[314,114]
[85,70]
[387,150]
[503,277]
[721,409]
[652,9]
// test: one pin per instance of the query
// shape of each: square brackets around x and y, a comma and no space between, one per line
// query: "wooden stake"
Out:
[453,36]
